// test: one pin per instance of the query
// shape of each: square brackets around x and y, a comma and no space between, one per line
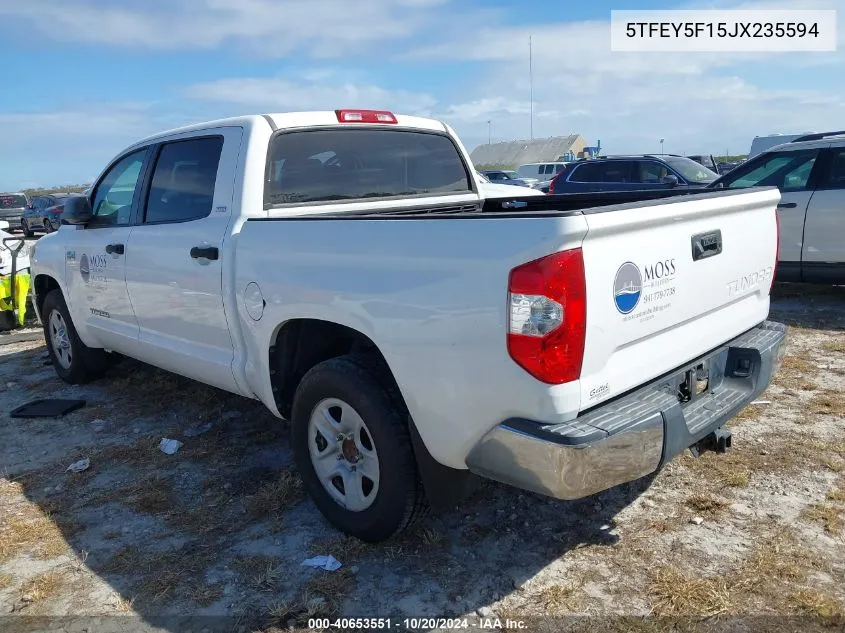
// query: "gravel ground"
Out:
[220,528]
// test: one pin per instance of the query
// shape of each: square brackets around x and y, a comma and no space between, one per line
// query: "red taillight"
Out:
[552,185]
[777,250]
[547,316]
[57,210]
[365,116]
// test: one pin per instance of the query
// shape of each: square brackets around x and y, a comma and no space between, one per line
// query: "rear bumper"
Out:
[14,220]
[634,435]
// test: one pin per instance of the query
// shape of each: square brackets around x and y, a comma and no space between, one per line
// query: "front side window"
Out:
[651,172]
[182,187]
[786,170]
[113,196]
[353,164]
[690,170]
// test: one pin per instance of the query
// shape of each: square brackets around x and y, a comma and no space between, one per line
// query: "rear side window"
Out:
[182,187]
[834,178]
[603,171]
[352,164]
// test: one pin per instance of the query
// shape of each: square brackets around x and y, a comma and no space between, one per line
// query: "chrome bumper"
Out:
[632,436]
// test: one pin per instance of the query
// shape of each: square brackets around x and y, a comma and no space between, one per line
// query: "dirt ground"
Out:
[221,527]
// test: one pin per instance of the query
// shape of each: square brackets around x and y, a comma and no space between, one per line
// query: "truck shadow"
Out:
[809,306]
[214,536]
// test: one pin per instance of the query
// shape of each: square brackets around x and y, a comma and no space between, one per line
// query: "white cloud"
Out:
[316,91]
[323,28]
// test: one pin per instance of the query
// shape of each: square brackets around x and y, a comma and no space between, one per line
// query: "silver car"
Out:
[12,206]
[810,173]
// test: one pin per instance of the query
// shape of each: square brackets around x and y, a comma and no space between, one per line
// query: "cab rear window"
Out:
[12,201]
[362,163]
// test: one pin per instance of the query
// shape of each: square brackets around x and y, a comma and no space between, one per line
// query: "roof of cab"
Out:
[283,120]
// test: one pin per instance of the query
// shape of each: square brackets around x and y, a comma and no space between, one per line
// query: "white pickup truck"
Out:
[347,269]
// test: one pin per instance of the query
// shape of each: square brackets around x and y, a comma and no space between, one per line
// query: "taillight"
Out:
[547,319]
[552,186]
[57,210]
[365,116]
[777,250]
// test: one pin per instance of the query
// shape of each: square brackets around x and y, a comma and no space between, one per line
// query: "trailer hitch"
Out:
[718,441]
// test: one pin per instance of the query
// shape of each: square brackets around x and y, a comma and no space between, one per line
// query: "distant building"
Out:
[537,151]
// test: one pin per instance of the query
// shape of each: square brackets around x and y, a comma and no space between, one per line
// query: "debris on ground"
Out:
[696,520]
[328,563]
[761,402]
[169,447]
[78,467]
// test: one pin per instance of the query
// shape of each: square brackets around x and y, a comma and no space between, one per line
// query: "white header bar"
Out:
[723,31]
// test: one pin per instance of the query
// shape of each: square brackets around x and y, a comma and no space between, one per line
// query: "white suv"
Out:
[810,173]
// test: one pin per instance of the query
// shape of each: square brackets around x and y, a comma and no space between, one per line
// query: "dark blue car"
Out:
[631,173]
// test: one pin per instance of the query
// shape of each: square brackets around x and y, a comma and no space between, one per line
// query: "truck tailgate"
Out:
[670,281]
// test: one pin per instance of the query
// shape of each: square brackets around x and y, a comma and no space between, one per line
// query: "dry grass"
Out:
[834,345]
[42,587]
[276,496]
[815,603]
[557,599]
[346,549]
[206,595]
[27,529]
[837,494]
[736,478]
[827,402]
[827,515]
[706,504]
[675,592]
[5,581]
[762,581]
[794,366]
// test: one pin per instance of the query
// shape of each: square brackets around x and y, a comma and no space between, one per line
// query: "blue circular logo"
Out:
[627,287]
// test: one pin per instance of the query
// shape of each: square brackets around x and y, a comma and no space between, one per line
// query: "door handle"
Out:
[114,249]
[208,252]
[787,205]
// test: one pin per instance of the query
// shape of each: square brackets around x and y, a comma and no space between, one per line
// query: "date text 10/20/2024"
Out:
[423,624]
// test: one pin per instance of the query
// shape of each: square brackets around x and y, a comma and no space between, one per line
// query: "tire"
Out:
[48,226]
[74,362]
[394,501]
[27,232]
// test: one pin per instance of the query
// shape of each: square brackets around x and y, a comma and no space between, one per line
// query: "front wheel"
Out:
[27,232]
[352,447]
[74,362]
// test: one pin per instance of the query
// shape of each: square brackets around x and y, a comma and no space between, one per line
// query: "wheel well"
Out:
[303,343]
[43,285]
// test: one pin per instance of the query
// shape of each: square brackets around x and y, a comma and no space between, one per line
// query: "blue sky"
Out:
[84,78]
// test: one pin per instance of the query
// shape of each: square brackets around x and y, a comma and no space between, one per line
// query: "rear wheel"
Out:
[48,226]
[73,361]
[352,447]
[27,232]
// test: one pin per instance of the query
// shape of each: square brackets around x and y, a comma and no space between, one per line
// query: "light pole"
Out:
[531,86]
[489,132]
[661,145]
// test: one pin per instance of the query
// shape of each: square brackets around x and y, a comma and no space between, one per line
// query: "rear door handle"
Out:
[207,252]
[114,249]
[787,205]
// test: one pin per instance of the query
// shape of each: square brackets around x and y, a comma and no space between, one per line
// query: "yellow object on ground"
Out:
[22,281]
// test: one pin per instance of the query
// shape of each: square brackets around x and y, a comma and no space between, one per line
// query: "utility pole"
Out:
[531,86]
[661,145]
[489,132]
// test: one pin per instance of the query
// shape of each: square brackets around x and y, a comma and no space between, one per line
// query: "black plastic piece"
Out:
[444,486]
[47,408]
[208,252]
[115,249]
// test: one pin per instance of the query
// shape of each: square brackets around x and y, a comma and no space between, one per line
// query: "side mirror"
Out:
[77,211]
[3,225]
[671,180]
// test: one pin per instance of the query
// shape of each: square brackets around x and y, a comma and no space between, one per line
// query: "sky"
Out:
[85,78]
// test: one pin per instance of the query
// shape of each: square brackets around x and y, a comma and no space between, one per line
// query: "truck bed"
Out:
[529,206]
